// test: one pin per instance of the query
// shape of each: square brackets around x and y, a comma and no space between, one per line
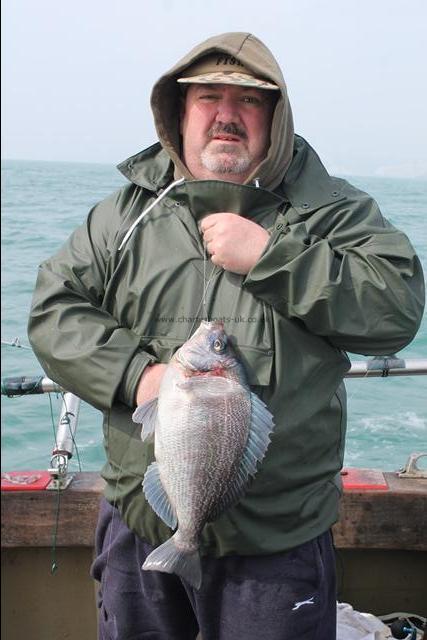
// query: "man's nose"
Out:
[227,111]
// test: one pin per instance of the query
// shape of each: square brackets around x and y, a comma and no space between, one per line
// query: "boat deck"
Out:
[380,539]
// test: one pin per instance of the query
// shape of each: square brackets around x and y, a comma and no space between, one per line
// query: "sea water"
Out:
[44,201]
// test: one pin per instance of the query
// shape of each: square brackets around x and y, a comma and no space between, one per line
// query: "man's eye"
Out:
[251,100]
[208,97]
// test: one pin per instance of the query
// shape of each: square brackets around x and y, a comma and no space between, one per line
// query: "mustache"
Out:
[230,128]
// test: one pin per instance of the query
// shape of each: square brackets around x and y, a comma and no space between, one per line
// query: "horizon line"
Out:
[114,165]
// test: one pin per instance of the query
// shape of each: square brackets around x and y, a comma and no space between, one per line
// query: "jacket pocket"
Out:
[258,364]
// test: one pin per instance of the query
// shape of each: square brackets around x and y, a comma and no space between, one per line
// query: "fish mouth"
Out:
[185,363]
[212,324]
[193,370]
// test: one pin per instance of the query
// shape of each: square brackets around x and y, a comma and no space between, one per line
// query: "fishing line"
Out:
[356,391]
[72,436]
[205,310]
[52,420]
[54,566]
[203,302]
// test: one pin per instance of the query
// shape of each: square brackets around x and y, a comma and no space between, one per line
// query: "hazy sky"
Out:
[77,74]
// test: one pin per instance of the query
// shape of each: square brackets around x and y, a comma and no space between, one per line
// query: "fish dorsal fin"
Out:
[146,414]
[256,446]
[157,496]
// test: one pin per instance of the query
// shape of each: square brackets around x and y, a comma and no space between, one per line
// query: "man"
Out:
[304,267]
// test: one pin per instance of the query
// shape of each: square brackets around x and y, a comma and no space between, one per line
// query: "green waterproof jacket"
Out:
[334,277]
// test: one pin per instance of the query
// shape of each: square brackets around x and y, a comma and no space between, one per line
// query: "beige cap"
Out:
[221,68]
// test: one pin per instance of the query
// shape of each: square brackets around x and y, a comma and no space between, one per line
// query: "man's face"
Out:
[225,130]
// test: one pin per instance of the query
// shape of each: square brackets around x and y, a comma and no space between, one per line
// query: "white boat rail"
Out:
[384,366]
[376,367]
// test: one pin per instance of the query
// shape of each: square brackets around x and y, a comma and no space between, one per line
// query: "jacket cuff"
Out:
[127,390]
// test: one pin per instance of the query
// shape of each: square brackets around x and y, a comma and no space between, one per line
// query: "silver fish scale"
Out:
[199,450]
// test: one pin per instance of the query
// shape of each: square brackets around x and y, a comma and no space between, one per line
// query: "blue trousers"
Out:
[282,596]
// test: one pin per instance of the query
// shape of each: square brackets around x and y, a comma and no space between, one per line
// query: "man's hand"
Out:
[149,383]
[233,242]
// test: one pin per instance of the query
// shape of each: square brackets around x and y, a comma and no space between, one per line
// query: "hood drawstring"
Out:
[156,201]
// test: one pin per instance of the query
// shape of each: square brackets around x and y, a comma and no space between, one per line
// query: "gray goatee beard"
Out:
[222,159]
[226,158]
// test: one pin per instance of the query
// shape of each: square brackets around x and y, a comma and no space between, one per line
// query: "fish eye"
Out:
[219,345]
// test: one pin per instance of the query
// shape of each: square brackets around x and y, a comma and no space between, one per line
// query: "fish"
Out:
[210,433]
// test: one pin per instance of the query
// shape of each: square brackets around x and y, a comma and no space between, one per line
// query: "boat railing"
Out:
[65,433]
[378,366]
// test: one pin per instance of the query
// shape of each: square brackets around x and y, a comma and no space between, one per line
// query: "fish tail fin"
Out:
[169,559]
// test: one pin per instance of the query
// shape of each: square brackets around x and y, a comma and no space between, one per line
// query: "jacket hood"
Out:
[253,54]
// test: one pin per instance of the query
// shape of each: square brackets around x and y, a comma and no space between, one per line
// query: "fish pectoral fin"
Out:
[146,414]
[157,497]
[262,425]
